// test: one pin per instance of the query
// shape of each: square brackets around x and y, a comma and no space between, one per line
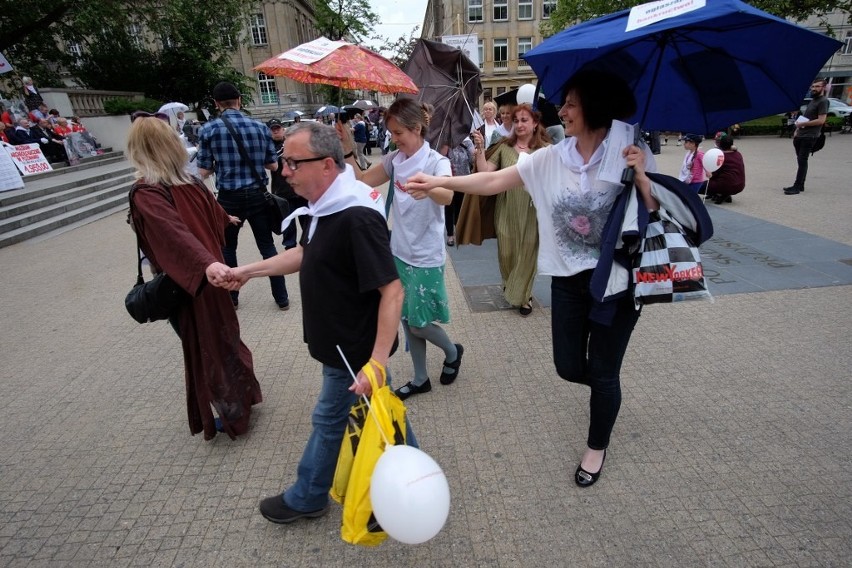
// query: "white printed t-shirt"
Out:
[572,207]
[418,224]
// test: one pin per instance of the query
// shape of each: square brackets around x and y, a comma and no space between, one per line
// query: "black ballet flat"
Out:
[584,478]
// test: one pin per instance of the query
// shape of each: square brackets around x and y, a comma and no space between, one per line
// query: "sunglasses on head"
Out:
[142,114]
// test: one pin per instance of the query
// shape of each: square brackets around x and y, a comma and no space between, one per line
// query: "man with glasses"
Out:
[808,130]
[351,297]
[241,184]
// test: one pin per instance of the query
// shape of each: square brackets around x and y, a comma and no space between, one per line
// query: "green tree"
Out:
[400,51]
[186,48]
[570,12]
[351,20]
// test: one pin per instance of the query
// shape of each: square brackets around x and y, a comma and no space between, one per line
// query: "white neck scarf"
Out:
[405,167]
[344,192]
[574,161]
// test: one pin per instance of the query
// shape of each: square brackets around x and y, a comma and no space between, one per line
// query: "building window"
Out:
[501,10]
[501,54]
[524,45]
[134,30]
[258,29]
[268,92]
[847,45]
[500,90]
[76,51]
[525,10]
[474,10]
[227,38]
[480,46]
[486,94]
[547,6]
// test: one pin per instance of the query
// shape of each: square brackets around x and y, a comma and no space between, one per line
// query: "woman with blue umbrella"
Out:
[590,336]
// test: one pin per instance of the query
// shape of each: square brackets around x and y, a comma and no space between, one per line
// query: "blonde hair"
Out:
[490,104]
[155,150]
[410,114]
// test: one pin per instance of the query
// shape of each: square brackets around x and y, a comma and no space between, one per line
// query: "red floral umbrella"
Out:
[340,64]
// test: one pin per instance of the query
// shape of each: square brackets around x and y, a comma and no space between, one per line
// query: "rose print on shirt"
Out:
[578,220]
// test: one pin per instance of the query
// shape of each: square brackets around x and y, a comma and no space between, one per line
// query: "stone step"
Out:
[107,157]
[64,214]
[21,209]
[45,186]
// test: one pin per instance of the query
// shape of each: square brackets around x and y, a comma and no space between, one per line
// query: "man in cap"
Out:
[241,185]
[282,188]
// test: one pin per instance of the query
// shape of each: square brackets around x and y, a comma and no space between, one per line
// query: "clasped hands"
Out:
[223,276]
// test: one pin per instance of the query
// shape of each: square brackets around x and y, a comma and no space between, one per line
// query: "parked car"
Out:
[836,107]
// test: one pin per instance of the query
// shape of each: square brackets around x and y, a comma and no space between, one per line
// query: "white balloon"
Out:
[409,494]
[713,159]
[526,94]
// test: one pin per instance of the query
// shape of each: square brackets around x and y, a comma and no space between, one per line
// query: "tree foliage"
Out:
[351,20]
[400,51]
[185,50]
[570,12]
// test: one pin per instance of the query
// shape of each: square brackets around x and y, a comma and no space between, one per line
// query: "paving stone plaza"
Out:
[733,446]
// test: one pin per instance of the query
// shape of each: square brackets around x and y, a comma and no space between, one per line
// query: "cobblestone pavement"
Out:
[732,448]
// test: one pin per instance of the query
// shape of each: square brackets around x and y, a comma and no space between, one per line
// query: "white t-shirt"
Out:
[570,220]
[418,225]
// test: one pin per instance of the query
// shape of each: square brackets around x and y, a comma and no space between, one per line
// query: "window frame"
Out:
[257,29]
[267,89]
[503,6]
[525,4]
[475,5]
[547,8]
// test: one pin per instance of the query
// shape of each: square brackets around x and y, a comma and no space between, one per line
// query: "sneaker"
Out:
[410,388]
[792,190]
[275,510]
[285,306]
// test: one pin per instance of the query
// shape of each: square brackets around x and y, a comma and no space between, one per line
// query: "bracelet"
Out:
[349,155]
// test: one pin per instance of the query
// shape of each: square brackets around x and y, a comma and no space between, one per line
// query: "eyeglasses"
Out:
[142,114]
[294,164]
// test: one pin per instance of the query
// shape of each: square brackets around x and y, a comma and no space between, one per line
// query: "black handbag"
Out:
[277,207]
[156,299]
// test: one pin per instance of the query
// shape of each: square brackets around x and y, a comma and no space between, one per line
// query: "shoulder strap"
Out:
[243,154]
[389,200]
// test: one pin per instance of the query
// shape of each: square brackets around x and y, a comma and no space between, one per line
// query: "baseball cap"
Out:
[273,123]
[695,138]
[225,91]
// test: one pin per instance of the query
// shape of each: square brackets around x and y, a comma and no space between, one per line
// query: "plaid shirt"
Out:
[218,148]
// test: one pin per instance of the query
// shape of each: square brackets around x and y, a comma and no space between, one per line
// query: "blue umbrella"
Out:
[327,109]
[292,114]
[699,71]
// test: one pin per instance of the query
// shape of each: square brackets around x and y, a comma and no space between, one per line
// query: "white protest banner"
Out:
[29,159]
[652,12]
[9,176]
[312,51]
[467,43]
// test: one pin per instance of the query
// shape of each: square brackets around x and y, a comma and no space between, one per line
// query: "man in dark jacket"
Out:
[281,187]
[808,129]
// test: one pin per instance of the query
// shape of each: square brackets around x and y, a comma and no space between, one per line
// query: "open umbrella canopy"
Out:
[292,114]
[701,69]
[340,64]
[365,104]
[449,81]
[326,109]
[549,111]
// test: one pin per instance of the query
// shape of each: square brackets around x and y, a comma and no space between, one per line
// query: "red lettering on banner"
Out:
[669,274]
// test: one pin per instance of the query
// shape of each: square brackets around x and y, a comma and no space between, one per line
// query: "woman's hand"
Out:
[421,182]
[234,219]
[478,140]
[219,274]
[636,159]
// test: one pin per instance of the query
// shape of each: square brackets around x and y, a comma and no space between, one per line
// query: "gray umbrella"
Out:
[449,81]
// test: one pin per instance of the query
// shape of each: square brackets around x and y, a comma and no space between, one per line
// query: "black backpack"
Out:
[820,141]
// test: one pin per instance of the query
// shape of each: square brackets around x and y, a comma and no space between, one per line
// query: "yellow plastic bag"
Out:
[363,445]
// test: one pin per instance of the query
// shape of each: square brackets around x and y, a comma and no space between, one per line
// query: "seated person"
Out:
[52,144]
[729,179]
[62,127]
[23,133]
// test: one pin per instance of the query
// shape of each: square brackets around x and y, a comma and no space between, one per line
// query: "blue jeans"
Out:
[250,205]
[330,417]
[590,353]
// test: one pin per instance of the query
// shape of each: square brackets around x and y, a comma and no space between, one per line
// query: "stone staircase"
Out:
[65,198]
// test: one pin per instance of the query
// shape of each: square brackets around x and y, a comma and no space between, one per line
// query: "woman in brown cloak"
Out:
[181,231]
